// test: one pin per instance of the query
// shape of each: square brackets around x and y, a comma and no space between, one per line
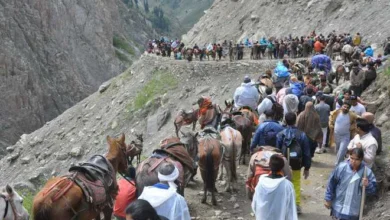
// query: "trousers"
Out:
[342,142]
[296,181]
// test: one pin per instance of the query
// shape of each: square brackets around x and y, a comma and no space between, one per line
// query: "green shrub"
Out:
[387,70]
[160,83]
[121,43]
[122,57]
[28,198]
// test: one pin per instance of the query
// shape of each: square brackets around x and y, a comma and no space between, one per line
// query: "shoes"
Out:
[299,209]
[319,150]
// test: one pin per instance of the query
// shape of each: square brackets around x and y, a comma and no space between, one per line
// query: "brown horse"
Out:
[135,148]
[63,199]
[185,118]
[174,151]
[243,125]
[210,154]
[232,140]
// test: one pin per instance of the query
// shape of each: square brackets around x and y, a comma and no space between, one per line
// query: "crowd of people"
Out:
[299,115]
[342,46]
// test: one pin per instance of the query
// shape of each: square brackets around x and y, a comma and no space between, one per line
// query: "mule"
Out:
[135,148]
[185,118]
[62,198]
[232,141]
[210,154]
[174,151]
[244,126]
[11,205]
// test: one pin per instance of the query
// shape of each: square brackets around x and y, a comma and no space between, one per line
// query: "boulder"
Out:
[104,87]
[76,151]
[157,121]
[25,160]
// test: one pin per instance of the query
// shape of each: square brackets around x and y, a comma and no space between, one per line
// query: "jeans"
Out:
[324,132]
[342,142]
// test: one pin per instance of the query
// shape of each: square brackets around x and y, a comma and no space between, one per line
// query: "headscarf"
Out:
[204,105]
[169,178]
[309,122]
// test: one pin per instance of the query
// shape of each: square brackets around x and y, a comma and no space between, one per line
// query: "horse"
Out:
[243,125]
[185,118]
[136,147]
[11,205]
[62,198]
[210,154]
[232,141]
[172,150]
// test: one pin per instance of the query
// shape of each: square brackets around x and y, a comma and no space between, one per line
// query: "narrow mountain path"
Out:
[237,206]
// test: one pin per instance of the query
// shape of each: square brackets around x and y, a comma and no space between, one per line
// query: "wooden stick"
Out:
[363,196]
[288,156]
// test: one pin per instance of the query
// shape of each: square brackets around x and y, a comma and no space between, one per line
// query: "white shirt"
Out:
[266,104]
[274,199]
[369,146]
[359,109]
[166,202]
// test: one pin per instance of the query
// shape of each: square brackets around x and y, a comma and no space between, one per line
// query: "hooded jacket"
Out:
[246,95]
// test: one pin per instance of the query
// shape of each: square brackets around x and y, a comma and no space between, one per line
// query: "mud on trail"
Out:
[237,206]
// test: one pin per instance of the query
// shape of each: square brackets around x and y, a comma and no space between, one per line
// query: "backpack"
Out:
[296,154]
[277,109]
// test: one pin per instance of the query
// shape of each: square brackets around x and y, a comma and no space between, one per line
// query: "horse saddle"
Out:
[96,179]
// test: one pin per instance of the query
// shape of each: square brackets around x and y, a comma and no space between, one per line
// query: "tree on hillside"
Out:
[146,6]
[158,19]
[136,3]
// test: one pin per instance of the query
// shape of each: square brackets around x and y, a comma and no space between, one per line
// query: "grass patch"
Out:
[160,83]
[28,198]
[387,70]
[122,57]
[121,43]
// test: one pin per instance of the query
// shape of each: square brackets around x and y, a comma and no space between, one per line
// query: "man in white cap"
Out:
[163,196]
[246,95]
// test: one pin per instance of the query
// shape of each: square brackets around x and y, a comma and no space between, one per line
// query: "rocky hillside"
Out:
[239,19]
[145,98]
[54,53]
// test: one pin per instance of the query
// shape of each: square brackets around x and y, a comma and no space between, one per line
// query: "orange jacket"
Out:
[318,46]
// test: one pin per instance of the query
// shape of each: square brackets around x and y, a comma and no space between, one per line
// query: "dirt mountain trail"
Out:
[237,206]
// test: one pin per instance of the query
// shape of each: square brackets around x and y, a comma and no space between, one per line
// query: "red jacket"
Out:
[126,195]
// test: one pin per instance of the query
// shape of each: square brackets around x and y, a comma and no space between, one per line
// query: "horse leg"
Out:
[107,211]
[228,174]
[220,176]
[204,193]
[213,200]
[193,125]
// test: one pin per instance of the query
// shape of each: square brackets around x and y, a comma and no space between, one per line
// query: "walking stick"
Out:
[363,196]
[288,156]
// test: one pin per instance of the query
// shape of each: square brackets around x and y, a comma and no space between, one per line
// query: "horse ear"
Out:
[226,104]
[9,189]
[122,139]
[196,134]
[109,139]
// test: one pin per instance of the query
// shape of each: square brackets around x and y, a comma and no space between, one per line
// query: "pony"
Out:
[232,141]
[62,198]
[210,155]
[136,147]
[185,118]
[11,205]
[172,150]
[243,125]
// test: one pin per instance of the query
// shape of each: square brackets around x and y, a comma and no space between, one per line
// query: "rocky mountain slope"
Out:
[238,19]
[54,53]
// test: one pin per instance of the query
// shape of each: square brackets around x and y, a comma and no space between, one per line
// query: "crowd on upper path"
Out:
[337,46]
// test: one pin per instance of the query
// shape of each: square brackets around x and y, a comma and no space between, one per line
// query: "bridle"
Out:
[9,202]
[128,161]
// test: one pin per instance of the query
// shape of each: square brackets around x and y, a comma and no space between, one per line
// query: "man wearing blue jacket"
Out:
[286,139]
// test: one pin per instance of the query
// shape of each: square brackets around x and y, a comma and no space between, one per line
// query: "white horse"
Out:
[11,205]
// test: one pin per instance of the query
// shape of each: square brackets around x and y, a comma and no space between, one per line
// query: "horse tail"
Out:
[233,167]
[210,180]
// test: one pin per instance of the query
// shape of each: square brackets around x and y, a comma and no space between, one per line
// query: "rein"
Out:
[9,201]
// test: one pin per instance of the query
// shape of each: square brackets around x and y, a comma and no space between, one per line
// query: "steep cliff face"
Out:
[238,19]
[53,53]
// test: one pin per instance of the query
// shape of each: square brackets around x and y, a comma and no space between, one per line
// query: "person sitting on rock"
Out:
[246,95]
